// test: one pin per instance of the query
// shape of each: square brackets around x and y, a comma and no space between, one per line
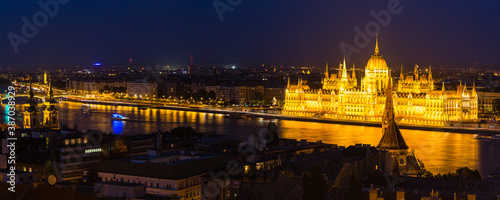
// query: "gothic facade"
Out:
[415,102]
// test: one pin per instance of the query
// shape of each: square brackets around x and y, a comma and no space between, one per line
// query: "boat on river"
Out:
[234,115]
[119,117]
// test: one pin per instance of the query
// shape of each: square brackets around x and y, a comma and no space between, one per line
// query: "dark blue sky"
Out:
[153,32]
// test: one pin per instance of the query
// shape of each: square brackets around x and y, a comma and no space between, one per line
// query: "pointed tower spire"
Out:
[31,96]
[474,88]
[442,87]
[353,72]
[51,93]
[288,84]
[430,72]
[326,73]
[344,71]
[401,75]
[392,139]
[343,63]
[389,82]
[339,74]
[415,72]
[376,44]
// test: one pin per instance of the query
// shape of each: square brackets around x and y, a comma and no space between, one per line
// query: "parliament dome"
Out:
[377,61]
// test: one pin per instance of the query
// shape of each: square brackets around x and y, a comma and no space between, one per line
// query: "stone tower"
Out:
[31,118]
[50,114]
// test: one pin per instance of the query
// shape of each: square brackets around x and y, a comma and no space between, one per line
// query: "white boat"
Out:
[118,117]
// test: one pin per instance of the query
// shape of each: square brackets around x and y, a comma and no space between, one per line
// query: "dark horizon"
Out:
[82,33]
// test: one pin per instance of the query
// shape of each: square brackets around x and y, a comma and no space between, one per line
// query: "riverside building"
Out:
[416,101]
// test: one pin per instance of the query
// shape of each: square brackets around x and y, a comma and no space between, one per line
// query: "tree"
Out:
[119,89]
[202,94]
[212,95]
[106,88]
[183,94]
[469,174]
[260,98]
[232,102]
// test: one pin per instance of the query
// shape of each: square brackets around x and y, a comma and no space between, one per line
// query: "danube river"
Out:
[441,152]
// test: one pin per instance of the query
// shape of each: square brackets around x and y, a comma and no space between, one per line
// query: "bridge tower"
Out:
[50,114]
[31,118]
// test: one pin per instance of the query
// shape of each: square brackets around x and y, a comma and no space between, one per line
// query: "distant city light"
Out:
[93,150]
[234,67]
[97,64]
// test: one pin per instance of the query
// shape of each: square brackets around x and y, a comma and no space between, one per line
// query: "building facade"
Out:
[92,86]
[486,104]
[73,154]
[142,89]
[415,101]
[167,176]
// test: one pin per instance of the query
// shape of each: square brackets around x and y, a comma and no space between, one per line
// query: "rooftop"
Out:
[119,183]
[178,170]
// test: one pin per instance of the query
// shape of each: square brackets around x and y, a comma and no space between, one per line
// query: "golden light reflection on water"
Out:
[441,152]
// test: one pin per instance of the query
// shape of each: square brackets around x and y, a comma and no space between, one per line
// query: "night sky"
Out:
[154,31]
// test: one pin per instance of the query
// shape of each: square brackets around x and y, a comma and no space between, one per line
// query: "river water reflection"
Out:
[441,152]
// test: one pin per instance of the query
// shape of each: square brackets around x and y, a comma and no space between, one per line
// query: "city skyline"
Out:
[84,33]
[239,100]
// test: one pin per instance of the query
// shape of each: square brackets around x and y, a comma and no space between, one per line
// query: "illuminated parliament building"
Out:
[415,100]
